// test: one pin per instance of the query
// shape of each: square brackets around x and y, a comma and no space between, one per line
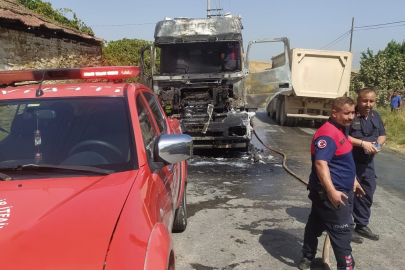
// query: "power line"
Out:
[125,24]
[356,28]
[372,25]
[373,28]
[335,40]
[343,41]
[364,28]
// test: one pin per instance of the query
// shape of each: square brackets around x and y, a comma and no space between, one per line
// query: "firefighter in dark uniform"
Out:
[367,134]
[332,179]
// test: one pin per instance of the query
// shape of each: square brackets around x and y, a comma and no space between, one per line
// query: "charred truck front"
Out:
[201,79]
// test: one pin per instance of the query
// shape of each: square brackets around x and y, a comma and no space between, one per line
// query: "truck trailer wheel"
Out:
[278,111]
[319,123]
[270,111]
[283,116]
[292,121]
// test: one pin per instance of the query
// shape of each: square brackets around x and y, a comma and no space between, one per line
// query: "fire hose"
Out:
[326,244]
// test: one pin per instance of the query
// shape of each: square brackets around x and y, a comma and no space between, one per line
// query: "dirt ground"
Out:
[256,66]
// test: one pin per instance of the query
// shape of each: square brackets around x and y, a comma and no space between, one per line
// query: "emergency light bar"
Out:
[109,73]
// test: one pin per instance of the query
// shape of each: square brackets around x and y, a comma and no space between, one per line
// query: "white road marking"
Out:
[281,130]
[308,130]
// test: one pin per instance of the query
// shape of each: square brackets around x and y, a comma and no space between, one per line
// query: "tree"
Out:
[126,52]
[59,15]
[384,71]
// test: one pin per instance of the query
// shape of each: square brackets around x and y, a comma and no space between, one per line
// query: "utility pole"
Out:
[351,35]
[218,10]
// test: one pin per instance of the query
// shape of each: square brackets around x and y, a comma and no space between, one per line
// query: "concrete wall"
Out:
[22,50]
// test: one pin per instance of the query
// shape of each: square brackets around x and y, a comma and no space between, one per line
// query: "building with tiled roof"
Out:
[34,41]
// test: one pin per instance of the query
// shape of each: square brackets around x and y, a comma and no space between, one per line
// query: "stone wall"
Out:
[22,50]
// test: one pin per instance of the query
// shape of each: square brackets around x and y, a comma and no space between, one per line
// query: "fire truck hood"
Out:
[60,223]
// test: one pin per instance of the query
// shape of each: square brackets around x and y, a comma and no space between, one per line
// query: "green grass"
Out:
[6,117]
[394,124]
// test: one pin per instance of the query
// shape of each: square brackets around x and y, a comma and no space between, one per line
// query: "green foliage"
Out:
[45,9]
[394,48]
[394,123]
[384,71]
[126,52]
[355,83]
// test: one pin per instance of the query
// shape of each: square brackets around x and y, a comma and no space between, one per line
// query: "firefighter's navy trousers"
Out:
[336,222]
[361,206]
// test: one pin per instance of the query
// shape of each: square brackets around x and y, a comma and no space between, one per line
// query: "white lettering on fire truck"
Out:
[4,213]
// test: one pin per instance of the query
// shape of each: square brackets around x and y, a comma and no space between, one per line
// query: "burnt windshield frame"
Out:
[192,58]
[131,164]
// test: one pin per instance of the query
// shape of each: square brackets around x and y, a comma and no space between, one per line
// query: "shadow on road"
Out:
[299,213]
[262,116]
[282,246]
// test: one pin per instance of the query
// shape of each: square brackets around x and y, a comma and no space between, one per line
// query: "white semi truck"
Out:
[317,78]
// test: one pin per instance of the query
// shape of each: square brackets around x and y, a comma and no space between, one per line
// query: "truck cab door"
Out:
[260,87]
[146,70]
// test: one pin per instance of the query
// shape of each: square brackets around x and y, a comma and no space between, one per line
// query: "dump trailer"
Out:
[214,106]
[318,77]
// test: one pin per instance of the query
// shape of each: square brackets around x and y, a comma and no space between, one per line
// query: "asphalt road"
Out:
[245,215]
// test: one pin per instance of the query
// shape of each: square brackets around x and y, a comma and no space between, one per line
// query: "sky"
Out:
[308,24]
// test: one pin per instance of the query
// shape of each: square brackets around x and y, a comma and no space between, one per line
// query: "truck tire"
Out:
[283,115]
[271,112]
[278,111]
[292,121]
[318,124]
[180,218]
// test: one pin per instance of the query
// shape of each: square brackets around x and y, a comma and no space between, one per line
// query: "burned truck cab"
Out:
[197,69]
